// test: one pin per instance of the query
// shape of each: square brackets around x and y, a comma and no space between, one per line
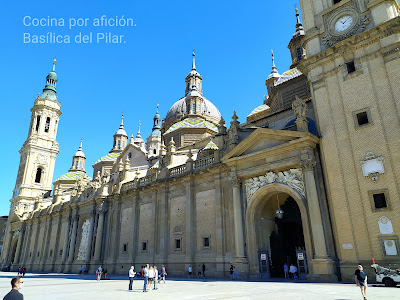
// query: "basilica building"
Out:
[310,178]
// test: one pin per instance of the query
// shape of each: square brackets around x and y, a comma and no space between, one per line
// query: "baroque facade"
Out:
[310,178]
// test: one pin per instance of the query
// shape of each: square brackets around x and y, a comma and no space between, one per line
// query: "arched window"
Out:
[119,145]
[47,125]
[129,155]
[38,175]
[155,151]
[188,108]
[37,123]
[76,164]
[194,108]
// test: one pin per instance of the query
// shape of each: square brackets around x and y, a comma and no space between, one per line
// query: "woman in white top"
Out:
[151,277]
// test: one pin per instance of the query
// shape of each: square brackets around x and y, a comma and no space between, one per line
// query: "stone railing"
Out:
[145,180]
[204,162]
[177,170]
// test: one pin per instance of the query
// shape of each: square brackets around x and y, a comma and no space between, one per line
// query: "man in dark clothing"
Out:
[204,270]
[17,283]
[361,280]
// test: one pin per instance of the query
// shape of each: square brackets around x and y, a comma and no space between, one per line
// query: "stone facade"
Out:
[310,178]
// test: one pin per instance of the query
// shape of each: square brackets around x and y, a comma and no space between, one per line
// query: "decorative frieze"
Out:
[293,178]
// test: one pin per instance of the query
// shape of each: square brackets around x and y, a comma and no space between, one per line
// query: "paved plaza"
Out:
[70,286]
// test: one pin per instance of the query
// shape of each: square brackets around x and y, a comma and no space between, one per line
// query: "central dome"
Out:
[179,110]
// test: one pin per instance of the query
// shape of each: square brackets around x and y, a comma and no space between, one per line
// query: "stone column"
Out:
[73,238]
[237,216]
[135,226]
[57,241]
[116,238]
[190,226]
[19,245]
[99,234]
[35,245]
[219,236]
[65,247]
[322,267]
[90,238]
[317,229]
[25,251]
[163,224]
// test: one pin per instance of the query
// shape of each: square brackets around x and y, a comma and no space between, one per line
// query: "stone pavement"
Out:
[71,286]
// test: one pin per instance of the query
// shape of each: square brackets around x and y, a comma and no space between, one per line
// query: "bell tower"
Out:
[352,66]
[39,152]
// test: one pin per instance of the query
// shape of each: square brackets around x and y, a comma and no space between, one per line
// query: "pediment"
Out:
[264,140]
[138,157]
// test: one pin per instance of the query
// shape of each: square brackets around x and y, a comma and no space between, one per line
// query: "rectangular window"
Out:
[30,254]
[350,67]
[119,145]
[178,243]
[379,199]
[38,253]
[362,117]
[194,108]
[125,247]
[206,241]
[60,252]
[51,252]
[144,246]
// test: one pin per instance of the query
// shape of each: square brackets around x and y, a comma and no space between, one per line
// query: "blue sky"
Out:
[98,81]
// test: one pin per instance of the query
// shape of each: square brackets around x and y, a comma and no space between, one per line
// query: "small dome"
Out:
[80,153]
[52,76]
[121,131]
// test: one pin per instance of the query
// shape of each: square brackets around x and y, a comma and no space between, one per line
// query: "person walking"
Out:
[80,270]
[199,271]
[146,278]
[131,275]
[204,270]
[23,271]
[361,280]
[235,275]
[17,283]
[155,278]
[98,273]
[286,270]
[163,273]
[231,271]
[190,271]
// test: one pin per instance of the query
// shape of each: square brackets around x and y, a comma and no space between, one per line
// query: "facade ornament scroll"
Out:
[372,166]
[293,178]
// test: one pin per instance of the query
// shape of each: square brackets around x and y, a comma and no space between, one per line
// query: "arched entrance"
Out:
[278,240]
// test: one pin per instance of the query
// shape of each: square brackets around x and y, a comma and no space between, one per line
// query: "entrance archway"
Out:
[278,238]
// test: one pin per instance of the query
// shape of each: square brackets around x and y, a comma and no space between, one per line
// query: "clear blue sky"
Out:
[97,82]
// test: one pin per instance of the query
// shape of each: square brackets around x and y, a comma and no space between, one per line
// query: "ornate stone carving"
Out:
[84,241]
[292,178]
[308,165]
[233,130]
[361,21]
[299,107]
[41,159]
[103,207]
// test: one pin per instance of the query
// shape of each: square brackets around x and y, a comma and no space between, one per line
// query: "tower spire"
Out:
[194,61]
[54,64]
[139,136]
[274,71]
